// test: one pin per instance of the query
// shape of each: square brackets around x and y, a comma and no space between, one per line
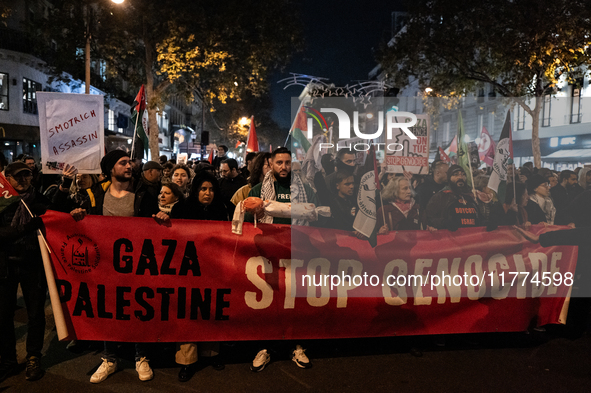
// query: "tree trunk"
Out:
[535,132]
[150,93]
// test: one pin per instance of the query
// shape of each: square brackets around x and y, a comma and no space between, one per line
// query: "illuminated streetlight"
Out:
[428,90]
[369,115]
[243,121]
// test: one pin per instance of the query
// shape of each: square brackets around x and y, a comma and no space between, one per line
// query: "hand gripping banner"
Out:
[130,279]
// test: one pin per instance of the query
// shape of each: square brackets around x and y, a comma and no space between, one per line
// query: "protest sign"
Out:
[413,154]
[71,128]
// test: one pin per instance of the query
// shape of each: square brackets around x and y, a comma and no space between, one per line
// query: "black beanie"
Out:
[453,169]
[534,182]
[110,159]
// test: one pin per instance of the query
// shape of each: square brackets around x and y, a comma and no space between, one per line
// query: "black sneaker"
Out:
[34,370]
[8,369]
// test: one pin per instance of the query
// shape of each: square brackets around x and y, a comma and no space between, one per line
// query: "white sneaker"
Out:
[300,358]
[260,361]
[106,368]
[143,369]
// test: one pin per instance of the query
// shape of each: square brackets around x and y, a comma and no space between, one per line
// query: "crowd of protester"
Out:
[165,190]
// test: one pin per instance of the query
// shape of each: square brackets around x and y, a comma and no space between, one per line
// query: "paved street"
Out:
[467,363]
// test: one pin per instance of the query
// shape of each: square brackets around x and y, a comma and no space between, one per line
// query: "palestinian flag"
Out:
[300,126]
[503,153]
[369,201]
[8,195]
[139,109]
[442,156]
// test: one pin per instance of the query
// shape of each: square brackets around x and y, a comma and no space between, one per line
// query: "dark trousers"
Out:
[34,287]
[110,352]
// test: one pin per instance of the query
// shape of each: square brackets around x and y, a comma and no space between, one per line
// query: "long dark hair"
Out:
[216,210]
[257,168]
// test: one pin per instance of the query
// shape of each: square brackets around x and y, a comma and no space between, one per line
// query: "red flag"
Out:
[444,157]
[211,156]
[8,195]
[270,148]
[486,147]
[252,144]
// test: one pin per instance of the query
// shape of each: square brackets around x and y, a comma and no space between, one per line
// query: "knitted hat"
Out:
[534,182]
[110,159]
[452,169]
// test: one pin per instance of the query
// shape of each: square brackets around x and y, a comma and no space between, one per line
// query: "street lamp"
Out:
[87,49]
[243,121]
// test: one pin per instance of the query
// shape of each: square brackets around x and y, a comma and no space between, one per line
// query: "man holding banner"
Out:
[21,263]
[113,198]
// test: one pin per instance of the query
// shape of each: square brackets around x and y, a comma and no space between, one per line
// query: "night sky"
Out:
[340,37]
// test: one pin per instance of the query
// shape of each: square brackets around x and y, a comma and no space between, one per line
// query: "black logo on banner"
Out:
[80,253]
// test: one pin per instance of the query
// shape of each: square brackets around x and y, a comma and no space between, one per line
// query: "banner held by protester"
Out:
[196,282]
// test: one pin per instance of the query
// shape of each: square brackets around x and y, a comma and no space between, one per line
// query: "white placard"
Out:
[71,128]
[414,155]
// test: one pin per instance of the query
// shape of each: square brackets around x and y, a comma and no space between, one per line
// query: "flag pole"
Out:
[38,231]
[134,133]
[56,305]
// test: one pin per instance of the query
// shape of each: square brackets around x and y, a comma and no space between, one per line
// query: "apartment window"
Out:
[520,118]
[112,120]
[575,106]
[30,89]
[546,110]
[480,95]
[3,91]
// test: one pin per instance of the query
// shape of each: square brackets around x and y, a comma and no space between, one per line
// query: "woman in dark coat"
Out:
[204,203]
[205,200]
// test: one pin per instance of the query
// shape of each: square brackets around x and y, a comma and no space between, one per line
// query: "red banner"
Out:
[129,279]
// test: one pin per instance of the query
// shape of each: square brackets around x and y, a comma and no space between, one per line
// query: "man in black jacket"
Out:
[230,182]
[454,206]
[21,263]
[432,184]
[148,189]
[562,196]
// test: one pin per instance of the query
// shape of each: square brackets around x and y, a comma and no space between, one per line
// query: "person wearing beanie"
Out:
[454,206]
[113,197]
[540,207]
[21,264]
